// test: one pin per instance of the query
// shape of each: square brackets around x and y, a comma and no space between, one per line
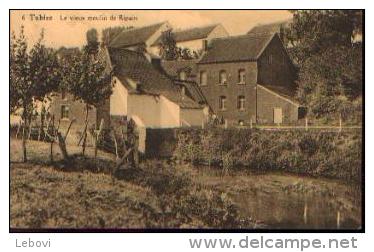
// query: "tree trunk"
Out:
[24,151]
[85,132]
[61,143]
[97,136]
[52,138]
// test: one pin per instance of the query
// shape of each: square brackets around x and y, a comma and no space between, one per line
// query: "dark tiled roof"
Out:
[134,36]
[238,48]
[135,66]
[193,90]
[173,67]
[191,34]
[269,28]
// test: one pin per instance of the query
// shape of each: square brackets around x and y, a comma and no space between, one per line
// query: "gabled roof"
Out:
[238,48]
[173,67]
[269,28]
[130,66]
[191,34]
[135,36]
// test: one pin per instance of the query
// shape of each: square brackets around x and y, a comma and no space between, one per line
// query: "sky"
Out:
[60,30]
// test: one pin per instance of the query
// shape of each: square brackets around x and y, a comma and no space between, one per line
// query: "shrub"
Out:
[316,153]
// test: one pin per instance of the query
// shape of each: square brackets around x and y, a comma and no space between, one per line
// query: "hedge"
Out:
[315,153]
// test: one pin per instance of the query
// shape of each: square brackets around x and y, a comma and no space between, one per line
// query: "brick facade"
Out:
[232,90]
[273,67]
[267,101]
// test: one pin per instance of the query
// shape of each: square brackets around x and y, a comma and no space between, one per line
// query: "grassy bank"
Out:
[315,153]
[81,195]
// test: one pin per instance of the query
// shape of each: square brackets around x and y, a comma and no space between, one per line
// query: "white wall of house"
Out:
[118,99]
[154,111]
[169,113]
[192,117]
[194,45]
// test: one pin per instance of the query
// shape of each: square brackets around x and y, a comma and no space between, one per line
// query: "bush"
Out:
[316,153]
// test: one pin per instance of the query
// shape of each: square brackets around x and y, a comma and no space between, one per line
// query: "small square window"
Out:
[222,102]
[222,77]
[64,112]
[241,102]
[241,76]
[203,78]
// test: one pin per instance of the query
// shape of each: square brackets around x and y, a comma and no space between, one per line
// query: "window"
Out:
[203,78]
[270,59]
[241,76]
[222,102]
[64,112]
[222,77]
[241,102]
[182,75]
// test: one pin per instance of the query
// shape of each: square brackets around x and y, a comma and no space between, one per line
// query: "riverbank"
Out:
[335,155]
[163,194]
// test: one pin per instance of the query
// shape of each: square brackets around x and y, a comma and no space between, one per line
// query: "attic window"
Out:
[270,59]
[222,77]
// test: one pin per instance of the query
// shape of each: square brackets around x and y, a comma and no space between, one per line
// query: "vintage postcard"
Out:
[174,120]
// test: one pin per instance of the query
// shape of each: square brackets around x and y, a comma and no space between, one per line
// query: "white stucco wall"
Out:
[118,99]
[192,117]
[169,113]
[194,45]
[154,111]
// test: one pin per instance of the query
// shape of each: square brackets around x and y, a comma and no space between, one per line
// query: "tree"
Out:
[89,81]
[329,61]
[34,75]
[168,46]
[92,41]
[313,31]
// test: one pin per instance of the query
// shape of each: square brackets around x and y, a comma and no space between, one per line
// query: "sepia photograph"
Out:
[186,120]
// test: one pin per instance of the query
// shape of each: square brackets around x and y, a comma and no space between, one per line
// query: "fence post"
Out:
[340,123]
[226,123]
[202,124]
[251,123]
[306,123]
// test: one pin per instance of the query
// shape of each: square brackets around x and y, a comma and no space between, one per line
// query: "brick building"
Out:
[249,78]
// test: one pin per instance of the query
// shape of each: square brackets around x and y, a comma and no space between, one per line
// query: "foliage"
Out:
[170,51]
[34,75]
[329,154]
[330,81]
[157,195]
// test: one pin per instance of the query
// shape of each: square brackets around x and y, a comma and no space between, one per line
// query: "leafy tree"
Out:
[313,31]
[168,46]
[329,61]
[92,41]
[89,81]
[34,75]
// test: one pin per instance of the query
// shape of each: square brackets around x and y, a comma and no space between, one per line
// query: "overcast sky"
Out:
[60,32]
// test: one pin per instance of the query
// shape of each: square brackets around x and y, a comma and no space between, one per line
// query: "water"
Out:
[286,201]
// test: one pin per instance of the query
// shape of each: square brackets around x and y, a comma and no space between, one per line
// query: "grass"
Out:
[160,194]
[52,195]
